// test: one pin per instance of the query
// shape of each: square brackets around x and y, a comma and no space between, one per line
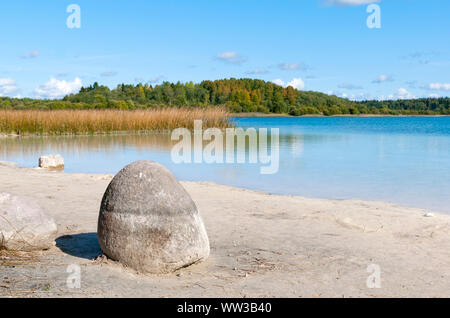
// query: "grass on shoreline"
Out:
[79,122]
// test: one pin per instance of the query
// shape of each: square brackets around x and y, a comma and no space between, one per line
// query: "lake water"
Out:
[405,160]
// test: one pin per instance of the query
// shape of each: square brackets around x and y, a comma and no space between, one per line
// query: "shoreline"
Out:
[235,115]
[317,115]
[400,205]
[262,245]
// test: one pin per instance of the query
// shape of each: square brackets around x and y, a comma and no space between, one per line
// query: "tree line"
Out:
[237,95]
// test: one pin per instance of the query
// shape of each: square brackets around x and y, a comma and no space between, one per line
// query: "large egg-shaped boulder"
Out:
[24,226]
[149,222]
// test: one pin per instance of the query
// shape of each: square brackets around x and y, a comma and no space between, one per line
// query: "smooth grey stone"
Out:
[149,222]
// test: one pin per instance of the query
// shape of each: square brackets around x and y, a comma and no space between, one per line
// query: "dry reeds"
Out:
[14,258]
[77,122]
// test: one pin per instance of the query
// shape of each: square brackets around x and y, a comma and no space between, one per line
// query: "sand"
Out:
[261,246]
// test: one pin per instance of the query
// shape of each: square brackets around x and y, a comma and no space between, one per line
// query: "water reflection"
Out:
[405,161]
[33,146]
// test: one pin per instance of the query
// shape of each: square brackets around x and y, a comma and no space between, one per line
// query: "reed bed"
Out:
[79,122]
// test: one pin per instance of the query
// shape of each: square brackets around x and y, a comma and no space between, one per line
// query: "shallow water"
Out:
[404,160]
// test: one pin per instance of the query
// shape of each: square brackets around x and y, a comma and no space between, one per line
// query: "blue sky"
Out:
[319,45]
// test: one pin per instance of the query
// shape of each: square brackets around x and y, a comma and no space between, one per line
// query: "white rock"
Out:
[51,162]
[24,226]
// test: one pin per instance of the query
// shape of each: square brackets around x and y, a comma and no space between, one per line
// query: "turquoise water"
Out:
[405,160]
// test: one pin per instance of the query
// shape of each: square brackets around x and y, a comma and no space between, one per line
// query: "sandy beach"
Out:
[261,246]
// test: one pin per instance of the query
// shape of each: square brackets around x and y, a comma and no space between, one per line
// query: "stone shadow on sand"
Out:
[84,245]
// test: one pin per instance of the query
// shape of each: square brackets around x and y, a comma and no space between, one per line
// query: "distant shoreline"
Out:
[346,115]
[4,134]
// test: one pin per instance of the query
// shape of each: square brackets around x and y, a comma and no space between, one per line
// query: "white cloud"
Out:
[227,55]
[7,86]
[357,97]
[30,55]
[57,89]
[354,97]
[438,86]
[383,78]
[362,96]
[388,97]
[278,82]
[348,3]
[296,83]
[434,96]
[403,93]
[231,58]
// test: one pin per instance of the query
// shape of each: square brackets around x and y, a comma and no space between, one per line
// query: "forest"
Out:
[235,95]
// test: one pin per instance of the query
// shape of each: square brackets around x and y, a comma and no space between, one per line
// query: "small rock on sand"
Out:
[149,222]
[51,162]
[24,226]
